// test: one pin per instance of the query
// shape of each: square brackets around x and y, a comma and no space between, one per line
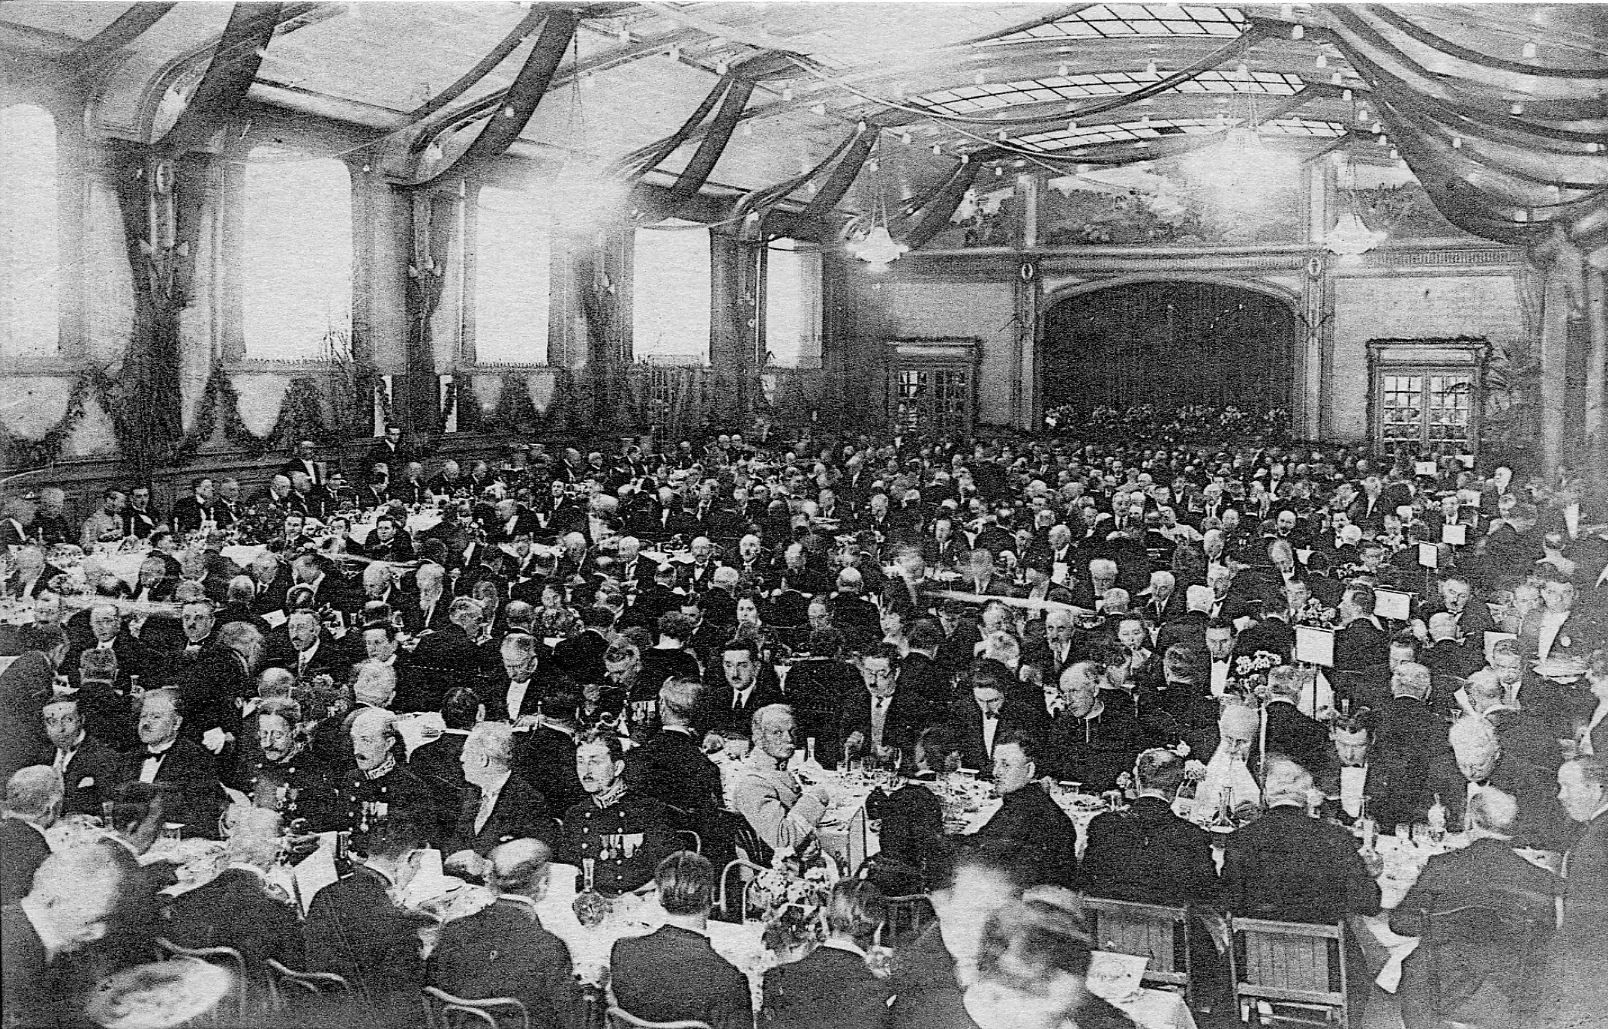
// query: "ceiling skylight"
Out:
[1117,21]
[1157,128]
[988,96]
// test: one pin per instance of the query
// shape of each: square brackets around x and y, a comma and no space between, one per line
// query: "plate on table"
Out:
[158,995]
[1561,668]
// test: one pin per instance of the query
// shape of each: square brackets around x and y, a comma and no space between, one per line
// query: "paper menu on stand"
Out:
[1456,535]
[1393,604]
[1314,646]
[1428,555]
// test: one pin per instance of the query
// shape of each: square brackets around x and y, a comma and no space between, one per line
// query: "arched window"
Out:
[792,305]
[296,260]
[513,251]
[671,294]
[29,248]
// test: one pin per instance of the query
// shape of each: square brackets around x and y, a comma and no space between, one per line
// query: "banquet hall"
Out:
[798,515]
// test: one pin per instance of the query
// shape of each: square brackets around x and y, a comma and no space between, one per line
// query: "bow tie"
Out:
[989,716]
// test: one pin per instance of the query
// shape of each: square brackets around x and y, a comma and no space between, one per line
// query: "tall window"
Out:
[29,252]
[672,294]
[296,266]
[792,306]
[512,254]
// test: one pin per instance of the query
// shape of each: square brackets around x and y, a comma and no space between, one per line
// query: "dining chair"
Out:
[444,1011]
[286,984]
[1298,970]
[1155,931]
[724,900]
[906,917]
[225,957]
[619,1018]
[690,840]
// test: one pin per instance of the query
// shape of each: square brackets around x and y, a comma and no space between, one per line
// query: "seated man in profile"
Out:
[1477,953]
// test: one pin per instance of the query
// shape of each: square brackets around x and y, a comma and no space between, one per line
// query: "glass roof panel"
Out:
[1135,20]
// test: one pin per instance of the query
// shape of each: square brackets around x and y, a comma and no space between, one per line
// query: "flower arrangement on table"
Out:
[792,906]
[1249,672]
[1317,616]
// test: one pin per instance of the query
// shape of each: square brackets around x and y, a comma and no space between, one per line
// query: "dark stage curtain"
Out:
[1168,344]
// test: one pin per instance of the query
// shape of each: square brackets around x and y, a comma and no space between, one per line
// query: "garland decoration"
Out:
[470,416]
[24,453]
[515,412]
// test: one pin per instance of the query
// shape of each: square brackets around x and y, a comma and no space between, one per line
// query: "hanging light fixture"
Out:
[1351,236]
[877,248]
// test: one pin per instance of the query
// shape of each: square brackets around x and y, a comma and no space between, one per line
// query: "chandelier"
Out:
[1351,236]
[877,247]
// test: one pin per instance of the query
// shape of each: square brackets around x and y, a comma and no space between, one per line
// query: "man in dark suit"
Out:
[504,805]
[1475,760]
[356,930]
[185,771]
[547,753]
[1355,768]
[674,974]
[671,766]
[1361,642]
[581,656]
[307,649]
[883,714]
[1147,854]
[88,767]
[831,987]
[1028,817]
[741,689]
[1289,731]
[450,657]
[32,804]
[1477,953]
[239,909]
[1583,943]
[503,950]
[978,721]
[207,677]
[302,461]
[1289,867]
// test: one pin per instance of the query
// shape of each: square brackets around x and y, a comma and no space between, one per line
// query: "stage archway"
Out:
[1168,342]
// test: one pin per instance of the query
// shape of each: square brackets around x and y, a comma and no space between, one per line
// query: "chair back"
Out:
[444,1011]
[906,917]
[1155,931]
[224,957]
[286,985]
[619,1018]
[1290,963]
[725,901]
[690,840]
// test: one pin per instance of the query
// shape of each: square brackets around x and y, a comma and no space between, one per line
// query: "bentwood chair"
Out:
[444,1011]
[1298,971]
[224,957]
[286,986]
[619,1018]
[1154,931]
[725,900]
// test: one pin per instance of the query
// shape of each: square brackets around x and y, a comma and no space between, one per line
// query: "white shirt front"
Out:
[1352,783]
[879,718]
[1219,678]
[1225,770]
[516,697]
[990,730]
[1551,626]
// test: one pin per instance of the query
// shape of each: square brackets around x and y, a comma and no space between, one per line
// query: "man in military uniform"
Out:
[287,777]
[381,786]
[626,836]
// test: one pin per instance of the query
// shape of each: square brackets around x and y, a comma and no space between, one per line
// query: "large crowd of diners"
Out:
[626,654]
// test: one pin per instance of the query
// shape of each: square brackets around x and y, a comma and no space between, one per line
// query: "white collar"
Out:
[845,945]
